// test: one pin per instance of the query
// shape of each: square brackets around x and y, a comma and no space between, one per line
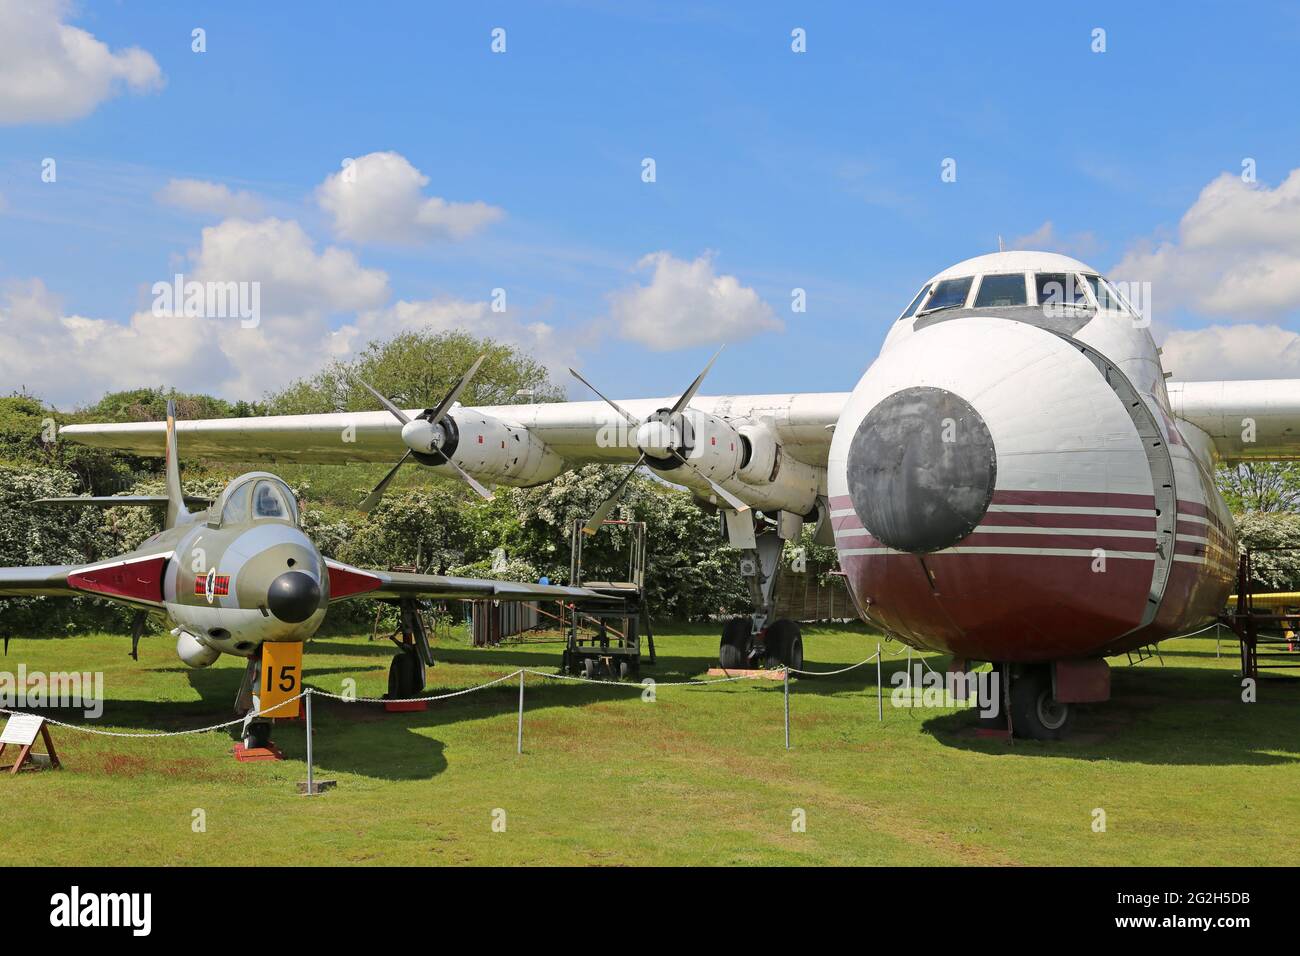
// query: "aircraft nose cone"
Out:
[921,469]
[293,597]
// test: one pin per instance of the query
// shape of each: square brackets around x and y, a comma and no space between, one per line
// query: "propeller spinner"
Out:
[659,436]
[424,435]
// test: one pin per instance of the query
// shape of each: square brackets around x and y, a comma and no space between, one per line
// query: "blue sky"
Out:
[818,170]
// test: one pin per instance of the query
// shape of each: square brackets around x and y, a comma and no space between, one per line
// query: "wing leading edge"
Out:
[349,583]
[576,431]
[1247,421]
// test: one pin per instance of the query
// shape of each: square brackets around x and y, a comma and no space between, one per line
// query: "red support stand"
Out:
[255,754]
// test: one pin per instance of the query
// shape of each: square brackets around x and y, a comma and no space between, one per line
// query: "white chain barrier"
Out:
[161,733]
[635,685]
[638,686]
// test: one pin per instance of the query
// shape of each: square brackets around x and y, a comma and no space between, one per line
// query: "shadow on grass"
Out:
[1161,716]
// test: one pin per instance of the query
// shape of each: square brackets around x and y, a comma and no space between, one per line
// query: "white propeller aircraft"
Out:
[1012,480]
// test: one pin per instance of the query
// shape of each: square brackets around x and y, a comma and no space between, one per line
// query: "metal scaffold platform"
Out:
[605,640]
[1267,625]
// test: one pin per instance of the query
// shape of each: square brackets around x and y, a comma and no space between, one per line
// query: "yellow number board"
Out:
[281,678]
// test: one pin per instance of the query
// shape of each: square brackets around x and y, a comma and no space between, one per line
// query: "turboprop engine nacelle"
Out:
[486,447]
[744,457]
[193,652]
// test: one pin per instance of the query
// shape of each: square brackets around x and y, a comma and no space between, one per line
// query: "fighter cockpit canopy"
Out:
[256,496]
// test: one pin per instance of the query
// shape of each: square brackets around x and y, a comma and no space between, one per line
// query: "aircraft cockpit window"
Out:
[269,502]
[235,511]
[915,302]
[948,294]
[1060,289]
[1001,290]
[1107,297]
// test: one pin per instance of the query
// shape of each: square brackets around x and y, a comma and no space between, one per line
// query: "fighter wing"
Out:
[135,579]
[50,580]
[349,583]
[1251,420]
[576,432]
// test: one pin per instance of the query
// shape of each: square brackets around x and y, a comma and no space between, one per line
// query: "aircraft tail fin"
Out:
[176,509]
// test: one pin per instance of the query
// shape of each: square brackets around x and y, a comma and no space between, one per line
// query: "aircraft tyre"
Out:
[257,734]
[785,644]
[732,652]
[1035,714]
[405,675]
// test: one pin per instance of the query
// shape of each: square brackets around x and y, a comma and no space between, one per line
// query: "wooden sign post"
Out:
[20,731]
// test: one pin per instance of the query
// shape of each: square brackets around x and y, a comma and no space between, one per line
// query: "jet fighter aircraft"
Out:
[241,573]
[1012,479]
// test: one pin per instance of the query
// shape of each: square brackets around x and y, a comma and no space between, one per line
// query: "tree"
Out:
[1273,568]
[150,405]
[34,536]
[1266,486]
[415,369]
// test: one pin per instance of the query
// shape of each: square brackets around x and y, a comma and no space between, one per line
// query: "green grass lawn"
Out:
[1185,772]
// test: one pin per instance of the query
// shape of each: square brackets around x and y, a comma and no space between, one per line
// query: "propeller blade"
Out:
[606,506]
[687,395]
[469,479]
[718,490]
[631,419]
[454,394]
[397,412]
[372,499]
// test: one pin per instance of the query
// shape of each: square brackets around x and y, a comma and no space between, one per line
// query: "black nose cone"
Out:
[293,597]
[921,470]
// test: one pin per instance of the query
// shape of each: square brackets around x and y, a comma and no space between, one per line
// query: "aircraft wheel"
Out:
[1035,713]
[733,651]
[785,643]
[405,675]
[589,668]
[623,670]
[257,734]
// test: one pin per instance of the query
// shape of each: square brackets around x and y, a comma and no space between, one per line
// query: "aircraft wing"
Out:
[135,579]
[1247,421]
[573,430]
[46,581]
[350,583]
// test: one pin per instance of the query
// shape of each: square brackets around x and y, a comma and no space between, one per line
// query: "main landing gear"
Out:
[759,640]
[779,644]
[406,672]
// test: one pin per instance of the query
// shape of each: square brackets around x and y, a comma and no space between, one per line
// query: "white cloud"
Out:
[51,72]
[1080,245]
[217,199]
[71,358]
[686,304]
[295,277]
[539,339]
[1224,352]
[68,359]
[379,198]
[1237,253]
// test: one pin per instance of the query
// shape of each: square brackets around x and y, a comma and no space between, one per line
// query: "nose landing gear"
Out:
[1036,713]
